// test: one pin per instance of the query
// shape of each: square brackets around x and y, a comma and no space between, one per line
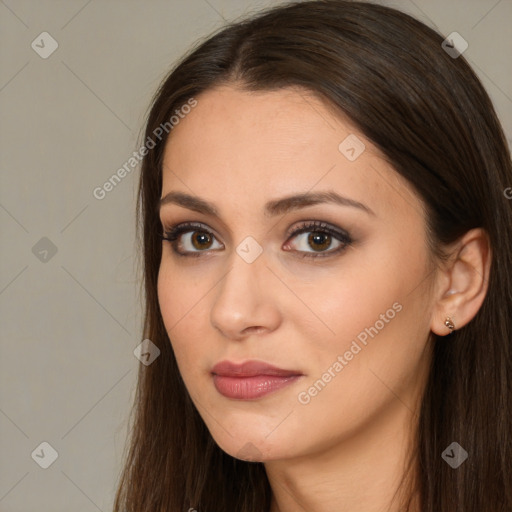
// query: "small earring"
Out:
[449,323]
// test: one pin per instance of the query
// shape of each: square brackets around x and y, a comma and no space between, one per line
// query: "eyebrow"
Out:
[272,208]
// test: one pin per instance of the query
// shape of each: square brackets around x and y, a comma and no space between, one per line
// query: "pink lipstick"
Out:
[250,380]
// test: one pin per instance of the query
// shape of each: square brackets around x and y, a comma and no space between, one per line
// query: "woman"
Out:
[327,273]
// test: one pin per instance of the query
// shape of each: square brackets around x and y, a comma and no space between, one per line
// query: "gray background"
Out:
[71,320]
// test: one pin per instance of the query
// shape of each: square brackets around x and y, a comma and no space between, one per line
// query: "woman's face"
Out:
[343,309]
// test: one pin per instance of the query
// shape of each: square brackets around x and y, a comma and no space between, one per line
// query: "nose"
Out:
[246,300]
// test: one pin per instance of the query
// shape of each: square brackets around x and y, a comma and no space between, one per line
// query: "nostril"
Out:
[254,329]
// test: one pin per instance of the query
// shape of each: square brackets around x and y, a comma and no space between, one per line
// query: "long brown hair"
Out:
[433,121]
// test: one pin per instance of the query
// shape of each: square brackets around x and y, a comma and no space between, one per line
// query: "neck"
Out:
[362,473]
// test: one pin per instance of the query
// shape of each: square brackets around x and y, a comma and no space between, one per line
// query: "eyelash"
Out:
[172,235]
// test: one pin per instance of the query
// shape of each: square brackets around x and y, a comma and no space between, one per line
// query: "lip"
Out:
[251,380]
[250,369]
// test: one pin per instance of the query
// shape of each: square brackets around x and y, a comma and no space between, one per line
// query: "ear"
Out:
[462,282]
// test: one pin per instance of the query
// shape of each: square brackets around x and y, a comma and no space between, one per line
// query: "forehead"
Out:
[248,147]
[263,124]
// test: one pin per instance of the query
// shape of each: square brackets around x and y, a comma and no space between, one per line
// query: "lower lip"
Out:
[250,388]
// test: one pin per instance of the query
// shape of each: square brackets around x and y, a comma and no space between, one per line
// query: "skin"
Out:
[347,448]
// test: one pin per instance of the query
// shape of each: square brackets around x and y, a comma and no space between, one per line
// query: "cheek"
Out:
[180,291]
[364,294]
[172,305]
[179,298]
[375,311]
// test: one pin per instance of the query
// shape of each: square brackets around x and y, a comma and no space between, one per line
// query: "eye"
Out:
[192,239]
[319,236]
[189,239]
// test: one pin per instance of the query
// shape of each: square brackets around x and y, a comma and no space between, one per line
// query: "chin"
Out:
[251,450]
[254,443]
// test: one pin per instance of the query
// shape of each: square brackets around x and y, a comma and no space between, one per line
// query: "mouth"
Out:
[251,380]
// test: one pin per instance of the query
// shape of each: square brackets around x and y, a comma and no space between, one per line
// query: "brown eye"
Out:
[190,239]
[322,241]
[201,240]
[320,237]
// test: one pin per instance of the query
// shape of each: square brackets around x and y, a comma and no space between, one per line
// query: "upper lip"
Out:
[250,369]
